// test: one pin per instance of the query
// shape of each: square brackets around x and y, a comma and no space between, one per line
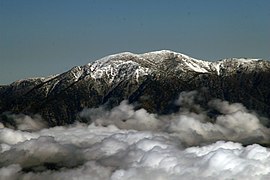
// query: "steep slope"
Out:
[153,80]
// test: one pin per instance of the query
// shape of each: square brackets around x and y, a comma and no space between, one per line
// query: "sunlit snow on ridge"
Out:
[110,67]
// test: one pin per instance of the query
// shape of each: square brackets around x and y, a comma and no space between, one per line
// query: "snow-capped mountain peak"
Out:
[154,79]
[142,64]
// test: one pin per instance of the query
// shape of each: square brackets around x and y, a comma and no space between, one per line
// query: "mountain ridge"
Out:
[160,52]
[137,77]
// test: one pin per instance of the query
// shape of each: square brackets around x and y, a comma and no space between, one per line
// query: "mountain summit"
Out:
[153,80]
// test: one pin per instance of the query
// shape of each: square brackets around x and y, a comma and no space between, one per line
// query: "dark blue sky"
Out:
[43,37]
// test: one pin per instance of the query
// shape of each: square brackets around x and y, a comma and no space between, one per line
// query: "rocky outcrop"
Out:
[152,80]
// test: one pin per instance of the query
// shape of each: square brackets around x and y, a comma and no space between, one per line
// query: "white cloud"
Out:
[191,124]
[24,122]
[108,152]
[125,143]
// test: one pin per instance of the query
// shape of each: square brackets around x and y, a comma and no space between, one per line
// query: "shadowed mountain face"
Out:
[152,80]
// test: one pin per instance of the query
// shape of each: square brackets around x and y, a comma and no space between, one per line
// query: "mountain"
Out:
[152,80]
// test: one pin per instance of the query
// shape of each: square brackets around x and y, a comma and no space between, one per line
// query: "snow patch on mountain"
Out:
[126,65]
[113,64]
[135,65]
[115,69]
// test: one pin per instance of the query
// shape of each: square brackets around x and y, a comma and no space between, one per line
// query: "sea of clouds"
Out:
[130,143]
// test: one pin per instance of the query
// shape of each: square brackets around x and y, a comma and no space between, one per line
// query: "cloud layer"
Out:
[125,143]
[193,124]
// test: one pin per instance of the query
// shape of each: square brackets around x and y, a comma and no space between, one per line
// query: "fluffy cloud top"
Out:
[125,143]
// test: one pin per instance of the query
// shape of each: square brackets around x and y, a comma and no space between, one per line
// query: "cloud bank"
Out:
[124,143]
[193,124]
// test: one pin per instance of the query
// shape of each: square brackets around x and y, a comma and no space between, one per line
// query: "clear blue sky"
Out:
[43,37]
